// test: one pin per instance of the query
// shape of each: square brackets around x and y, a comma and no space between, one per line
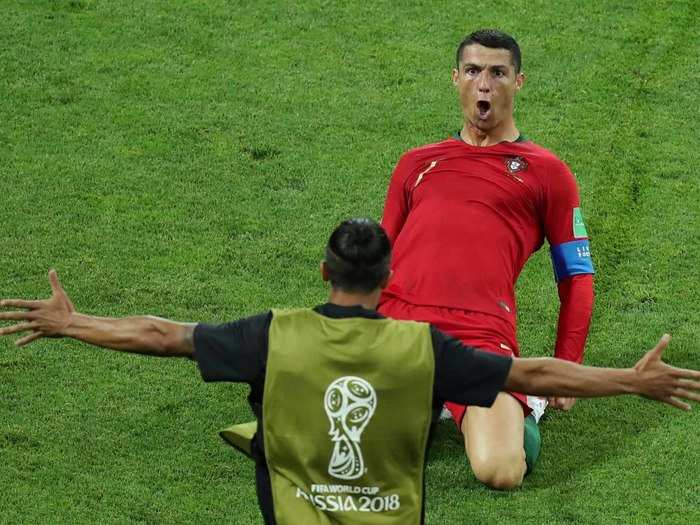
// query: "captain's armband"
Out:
[571,258]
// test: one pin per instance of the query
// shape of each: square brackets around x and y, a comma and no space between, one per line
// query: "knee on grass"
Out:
[504,472]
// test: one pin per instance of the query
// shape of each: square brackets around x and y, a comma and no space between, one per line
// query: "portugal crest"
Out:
[515,165]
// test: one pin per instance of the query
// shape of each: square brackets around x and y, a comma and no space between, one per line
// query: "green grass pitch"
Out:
[188,159]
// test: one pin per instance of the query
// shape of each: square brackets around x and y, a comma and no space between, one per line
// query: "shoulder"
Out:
[546,157]
[413,161]
[408,324]
[434,149]
[259,323]
[292,319]
[544,164]
[542,154]
[408,330]
[281,313]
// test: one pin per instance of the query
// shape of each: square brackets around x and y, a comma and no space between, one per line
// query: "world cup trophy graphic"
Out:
[350,403]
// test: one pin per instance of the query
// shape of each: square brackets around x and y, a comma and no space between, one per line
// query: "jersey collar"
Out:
[521,138]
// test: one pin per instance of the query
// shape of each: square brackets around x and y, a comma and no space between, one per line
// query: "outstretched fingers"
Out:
[55,283]
[58,291]
[687,394]
[19,303]
[676,403]
[21,327]
[658,350]
[685,373]
[688,384]
[16,316]
[28,339]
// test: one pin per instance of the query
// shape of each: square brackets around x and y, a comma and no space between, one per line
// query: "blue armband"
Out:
[571,258]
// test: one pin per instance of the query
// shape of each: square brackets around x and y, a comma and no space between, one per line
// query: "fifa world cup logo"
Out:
[350,403]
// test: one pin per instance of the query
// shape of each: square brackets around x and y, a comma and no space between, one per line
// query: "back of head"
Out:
[495,39]
[358,255]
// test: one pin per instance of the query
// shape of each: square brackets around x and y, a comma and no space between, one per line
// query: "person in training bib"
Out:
[344,398]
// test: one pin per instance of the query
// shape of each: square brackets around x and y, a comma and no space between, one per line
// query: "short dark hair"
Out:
[495,39]
[358,255]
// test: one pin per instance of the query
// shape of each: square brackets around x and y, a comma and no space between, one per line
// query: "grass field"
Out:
[188,159]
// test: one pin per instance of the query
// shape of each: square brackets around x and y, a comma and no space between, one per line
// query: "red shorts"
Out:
[483,331]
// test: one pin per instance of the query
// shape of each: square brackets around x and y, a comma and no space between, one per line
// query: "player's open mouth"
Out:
[484,108]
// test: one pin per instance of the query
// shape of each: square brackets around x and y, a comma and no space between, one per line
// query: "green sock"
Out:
[532,442]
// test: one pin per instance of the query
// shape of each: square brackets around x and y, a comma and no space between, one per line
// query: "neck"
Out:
[343,298]
[506,132]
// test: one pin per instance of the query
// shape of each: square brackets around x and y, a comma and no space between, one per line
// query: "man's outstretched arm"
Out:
[650,377]
[57,317]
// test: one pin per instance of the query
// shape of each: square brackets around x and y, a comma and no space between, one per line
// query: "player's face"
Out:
[486,82]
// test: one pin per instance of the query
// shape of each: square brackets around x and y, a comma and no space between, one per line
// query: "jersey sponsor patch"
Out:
[579,226]
[571,258]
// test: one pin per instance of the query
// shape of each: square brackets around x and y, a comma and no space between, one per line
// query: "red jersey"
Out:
[463,220]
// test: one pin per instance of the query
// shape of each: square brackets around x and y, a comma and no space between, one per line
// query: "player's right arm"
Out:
[57,317]
[650,377]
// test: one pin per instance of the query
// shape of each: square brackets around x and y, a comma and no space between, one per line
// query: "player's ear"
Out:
[455,76]
[519,81]
[324,272]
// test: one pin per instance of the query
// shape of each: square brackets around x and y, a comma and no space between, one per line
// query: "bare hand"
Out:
[43,318]
[561,403]
[665,383]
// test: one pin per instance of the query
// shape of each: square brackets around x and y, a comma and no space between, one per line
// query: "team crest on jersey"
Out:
[515,165]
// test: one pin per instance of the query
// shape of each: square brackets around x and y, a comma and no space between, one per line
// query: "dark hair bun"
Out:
[358,255]
[360,241]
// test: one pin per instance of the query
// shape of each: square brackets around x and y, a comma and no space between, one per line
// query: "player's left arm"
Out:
[571,257]
[57,317]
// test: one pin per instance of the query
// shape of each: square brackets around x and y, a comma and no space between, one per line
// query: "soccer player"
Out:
[463,216]
[345,398]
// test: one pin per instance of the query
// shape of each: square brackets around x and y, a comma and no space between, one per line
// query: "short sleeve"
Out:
[466,375]
[234,351]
